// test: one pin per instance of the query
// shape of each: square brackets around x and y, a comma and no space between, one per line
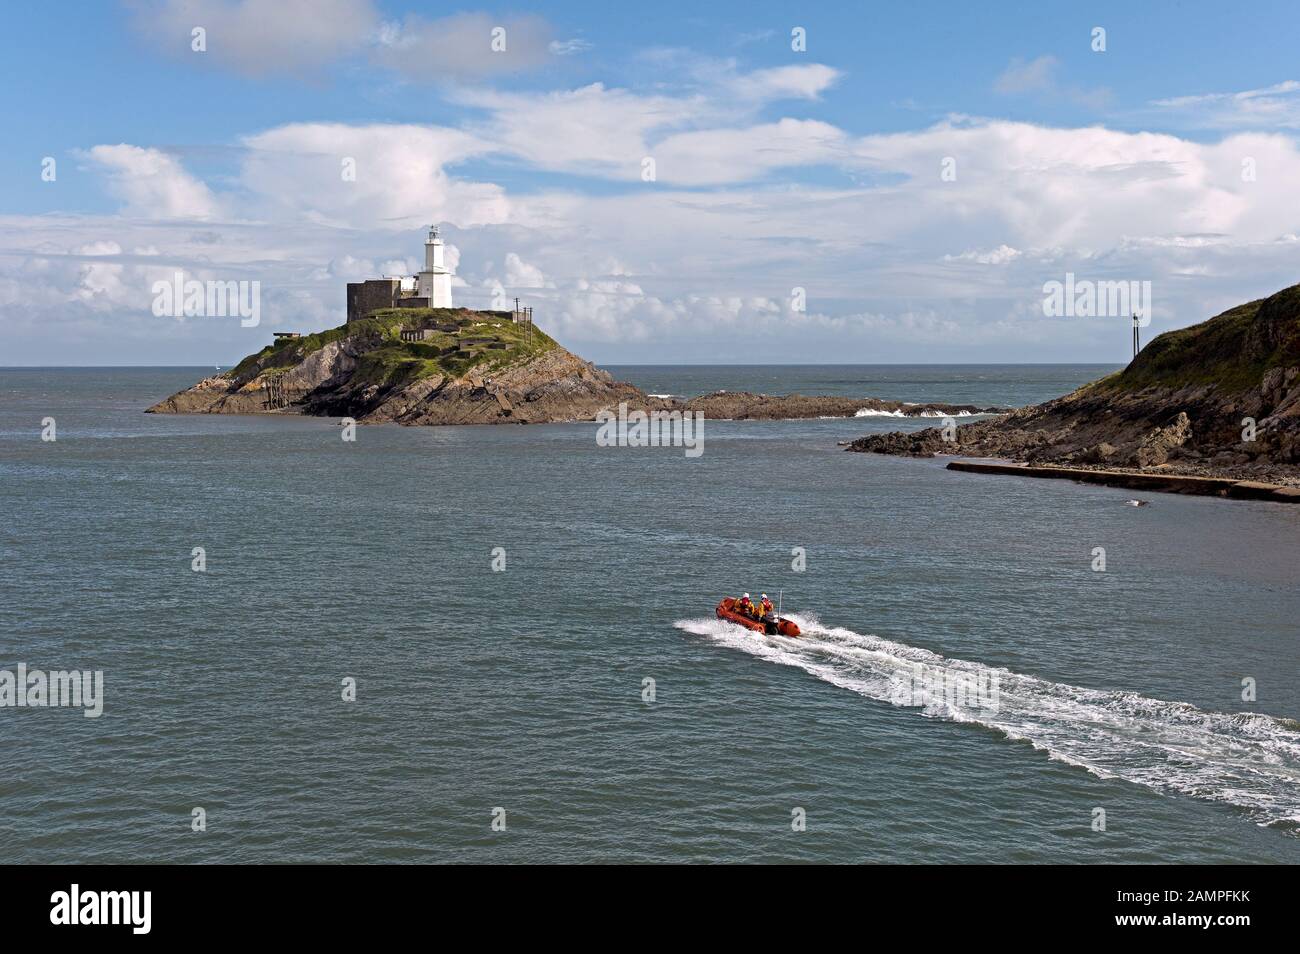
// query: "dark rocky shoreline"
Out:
[745,406]
[1220,399]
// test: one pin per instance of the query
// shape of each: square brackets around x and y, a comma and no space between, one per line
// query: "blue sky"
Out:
[776,170]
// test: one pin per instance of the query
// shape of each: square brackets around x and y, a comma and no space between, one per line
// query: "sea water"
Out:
[526,618]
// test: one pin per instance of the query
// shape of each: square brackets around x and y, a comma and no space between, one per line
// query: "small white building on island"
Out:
[429,288]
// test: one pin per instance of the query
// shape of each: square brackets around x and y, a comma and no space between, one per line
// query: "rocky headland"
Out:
[1218,399]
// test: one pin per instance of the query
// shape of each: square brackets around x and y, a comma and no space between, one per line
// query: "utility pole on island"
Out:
[1136,347]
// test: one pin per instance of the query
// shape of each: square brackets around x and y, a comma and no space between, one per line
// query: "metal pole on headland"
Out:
[1136,346]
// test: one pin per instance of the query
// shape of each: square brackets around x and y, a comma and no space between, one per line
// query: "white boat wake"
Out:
[1248,760]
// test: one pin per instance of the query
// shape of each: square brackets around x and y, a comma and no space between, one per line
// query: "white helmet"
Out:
[764,596]
[745,596]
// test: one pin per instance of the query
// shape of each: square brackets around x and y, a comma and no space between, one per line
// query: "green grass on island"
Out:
[1231,351]
[388,360]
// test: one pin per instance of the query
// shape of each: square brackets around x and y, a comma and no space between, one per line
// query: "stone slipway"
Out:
[1161,483]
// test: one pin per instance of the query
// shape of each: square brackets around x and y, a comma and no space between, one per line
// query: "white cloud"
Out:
[738,155]
[100,284]
[1032,201]
[348,268]
[262,38]
[1272,107]
[401,181]
[1038,187]
[905,266]
[592,130]
[569,47]
[696,136]
[519,274]
[997,256]
[733,90]
[152,183]
[259,37]
[802,81]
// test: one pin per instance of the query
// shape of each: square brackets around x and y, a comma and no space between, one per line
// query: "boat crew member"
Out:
[765,607]
[743,605]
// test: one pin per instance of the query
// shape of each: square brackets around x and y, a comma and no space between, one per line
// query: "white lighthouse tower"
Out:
[434,282]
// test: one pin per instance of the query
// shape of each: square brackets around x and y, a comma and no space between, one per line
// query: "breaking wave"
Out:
[872,412]
[1248,760]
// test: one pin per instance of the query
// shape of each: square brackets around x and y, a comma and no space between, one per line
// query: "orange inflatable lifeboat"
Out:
[771,625]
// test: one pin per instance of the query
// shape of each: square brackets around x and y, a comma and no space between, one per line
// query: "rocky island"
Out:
[412,366]
[1219,400]
[458,366]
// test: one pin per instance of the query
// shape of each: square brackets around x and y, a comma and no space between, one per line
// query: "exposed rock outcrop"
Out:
[263,390]
[744,406]
[1221,398]
[554,387]
[1154,448]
